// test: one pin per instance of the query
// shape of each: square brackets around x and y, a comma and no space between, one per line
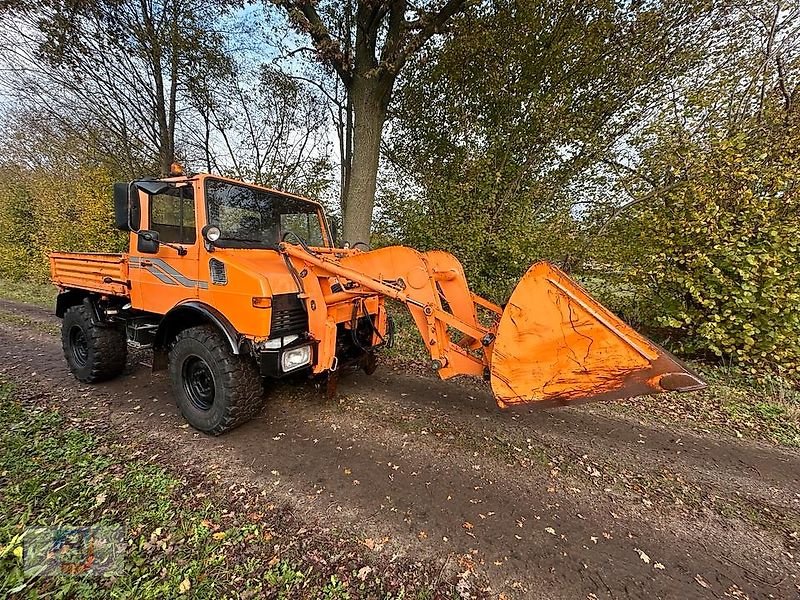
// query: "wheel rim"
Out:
[79,346]
[198,381]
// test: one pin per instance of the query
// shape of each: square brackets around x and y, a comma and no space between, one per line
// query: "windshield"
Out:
[251,218]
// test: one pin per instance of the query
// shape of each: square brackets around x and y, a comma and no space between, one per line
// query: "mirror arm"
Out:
[179,249]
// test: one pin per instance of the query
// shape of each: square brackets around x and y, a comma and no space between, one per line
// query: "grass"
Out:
[734,403]
[181,539]
[28,323]
[766,409]
[38,294]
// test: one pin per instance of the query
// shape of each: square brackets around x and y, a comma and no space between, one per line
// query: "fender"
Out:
[188,314]
[69,298]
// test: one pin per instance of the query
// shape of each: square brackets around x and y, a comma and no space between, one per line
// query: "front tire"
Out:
[216,390]
[94,352]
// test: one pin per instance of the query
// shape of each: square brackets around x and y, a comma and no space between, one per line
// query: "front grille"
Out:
[288,316]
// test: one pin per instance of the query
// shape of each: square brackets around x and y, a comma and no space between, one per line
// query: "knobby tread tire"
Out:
[239,391]
[108,346]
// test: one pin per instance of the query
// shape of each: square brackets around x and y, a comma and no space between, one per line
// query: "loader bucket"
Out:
[555,344]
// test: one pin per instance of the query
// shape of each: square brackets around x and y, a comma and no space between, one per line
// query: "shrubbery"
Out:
[42,210]
[720,253]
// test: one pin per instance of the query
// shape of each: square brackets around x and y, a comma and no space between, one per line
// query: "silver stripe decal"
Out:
[161,276]
[166,273]
[177,275]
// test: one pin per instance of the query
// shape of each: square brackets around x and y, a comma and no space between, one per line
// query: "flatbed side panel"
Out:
[94,271]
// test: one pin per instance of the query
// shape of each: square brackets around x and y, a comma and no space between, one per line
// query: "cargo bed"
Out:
[96,271]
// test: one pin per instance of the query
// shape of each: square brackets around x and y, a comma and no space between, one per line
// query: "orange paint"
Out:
[556,343]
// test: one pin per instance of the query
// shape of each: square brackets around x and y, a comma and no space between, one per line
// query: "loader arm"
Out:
[552,344]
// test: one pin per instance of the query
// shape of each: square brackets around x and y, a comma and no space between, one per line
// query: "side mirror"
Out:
[147,242]
[127,209]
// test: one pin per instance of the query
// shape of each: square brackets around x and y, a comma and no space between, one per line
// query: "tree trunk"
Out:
[370,100]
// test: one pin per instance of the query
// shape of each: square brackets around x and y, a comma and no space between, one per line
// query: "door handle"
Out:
[146,263]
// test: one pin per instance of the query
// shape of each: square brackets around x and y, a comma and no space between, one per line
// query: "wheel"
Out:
[215,389]
[93,352]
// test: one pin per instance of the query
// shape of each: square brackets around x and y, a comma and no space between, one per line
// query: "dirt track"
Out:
[564,503]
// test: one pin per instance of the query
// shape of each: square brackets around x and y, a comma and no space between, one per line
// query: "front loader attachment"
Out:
[555,344]
[551,344]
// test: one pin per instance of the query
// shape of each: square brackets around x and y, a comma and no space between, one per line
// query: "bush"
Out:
[721,252]
[61,208]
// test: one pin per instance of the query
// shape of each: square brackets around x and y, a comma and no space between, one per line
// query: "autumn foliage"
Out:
[720,251]
[64,207]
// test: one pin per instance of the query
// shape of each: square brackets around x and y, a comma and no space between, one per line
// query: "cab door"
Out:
[160,281]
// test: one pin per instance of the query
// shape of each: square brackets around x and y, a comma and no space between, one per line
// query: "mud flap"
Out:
[555,344]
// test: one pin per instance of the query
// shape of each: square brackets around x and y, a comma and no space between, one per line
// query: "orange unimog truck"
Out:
[233,285]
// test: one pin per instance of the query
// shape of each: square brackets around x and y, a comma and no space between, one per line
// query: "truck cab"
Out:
[204,268]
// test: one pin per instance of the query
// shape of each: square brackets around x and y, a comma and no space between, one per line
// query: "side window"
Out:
[172,216]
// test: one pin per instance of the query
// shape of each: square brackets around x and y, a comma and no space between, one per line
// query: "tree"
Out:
[710,226]
[376,40]
[54,195]
[262,126]
[500,134]
[121,68]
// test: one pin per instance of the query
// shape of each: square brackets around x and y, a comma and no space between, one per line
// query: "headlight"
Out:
[295,358]
[277,343]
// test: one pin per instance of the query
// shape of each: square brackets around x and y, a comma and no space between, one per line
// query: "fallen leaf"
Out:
[701,581]
[369,543]
[658,566]
[220,535]
[185,586]
[363,572]
[643,556]
[467,525]
[550,530]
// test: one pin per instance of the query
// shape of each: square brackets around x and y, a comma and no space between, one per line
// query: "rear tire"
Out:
[215,389]
[94,352]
